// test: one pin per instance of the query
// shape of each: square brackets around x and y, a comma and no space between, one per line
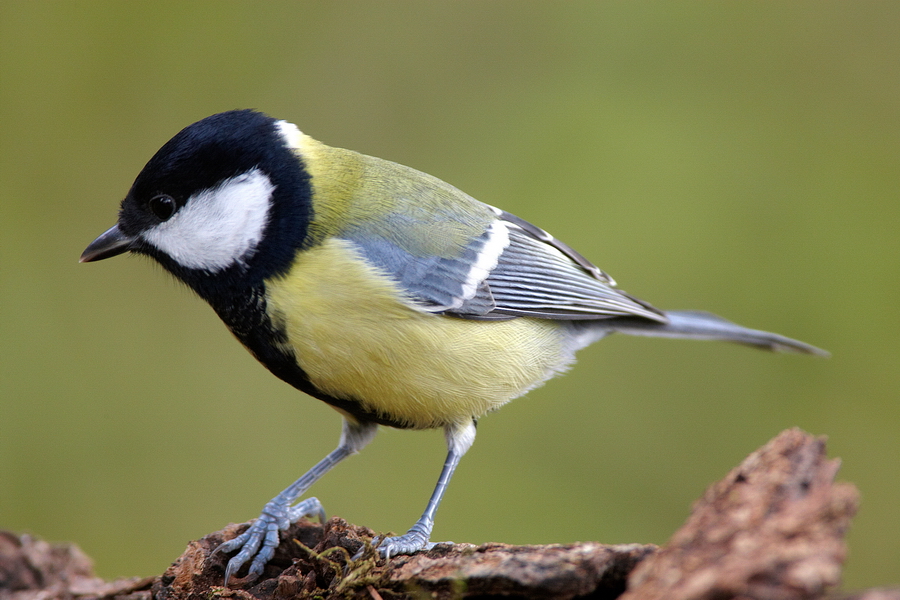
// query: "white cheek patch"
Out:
[218,227]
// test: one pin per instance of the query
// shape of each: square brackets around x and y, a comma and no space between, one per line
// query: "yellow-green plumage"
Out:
[356,338]
[359,336]
[350,188]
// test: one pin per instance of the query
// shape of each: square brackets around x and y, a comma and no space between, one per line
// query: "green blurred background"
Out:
[736,157]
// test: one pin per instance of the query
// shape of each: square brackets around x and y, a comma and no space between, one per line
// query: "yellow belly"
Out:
[356,338]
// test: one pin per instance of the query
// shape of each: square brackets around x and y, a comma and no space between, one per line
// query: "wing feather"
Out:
[510,269]
[538,276]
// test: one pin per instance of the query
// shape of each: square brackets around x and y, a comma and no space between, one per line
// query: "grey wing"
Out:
[539,276]
[506,268]
[439,275]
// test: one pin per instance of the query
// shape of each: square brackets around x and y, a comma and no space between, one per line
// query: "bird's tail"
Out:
[700,325]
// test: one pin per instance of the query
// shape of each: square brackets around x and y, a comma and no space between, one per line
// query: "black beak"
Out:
[111,243]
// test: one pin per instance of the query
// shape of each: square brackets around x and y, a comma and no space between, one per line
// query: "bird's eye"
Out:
[162,206]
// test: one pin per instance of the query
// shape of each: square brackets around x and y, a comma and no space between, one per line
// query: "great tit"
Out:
[387,293]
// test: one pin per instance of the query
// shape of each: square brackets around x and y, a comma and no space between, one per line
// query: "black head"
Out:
[226,198]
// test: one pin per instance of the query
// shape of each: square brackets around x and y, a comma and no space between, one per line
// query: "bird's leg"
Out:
[459,440]
[261,538]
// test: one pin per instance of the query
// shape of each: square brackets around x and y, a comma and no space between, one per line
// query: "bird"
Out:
[383,291]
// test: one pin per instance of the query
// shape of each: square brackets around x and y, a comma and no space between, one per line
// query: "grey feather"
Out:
[537,276]
[700,325]
[434,282]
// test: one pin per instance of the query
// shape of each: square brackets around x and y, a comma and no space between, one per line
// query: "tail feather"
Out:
[700,325]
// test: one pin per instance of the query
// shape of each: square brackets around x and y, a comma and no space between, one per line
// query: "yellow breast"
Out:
[357,337]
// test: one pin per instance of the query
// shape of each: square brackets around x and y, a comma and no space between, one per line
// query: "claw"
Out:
[362,550]
[262,537]
[311,507]
[232,544]
[248,542]
[403,544]
[409,543]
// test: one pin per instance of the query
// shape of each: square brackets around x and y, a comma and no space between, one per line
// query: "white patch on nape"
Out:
[218,227]
[290,133]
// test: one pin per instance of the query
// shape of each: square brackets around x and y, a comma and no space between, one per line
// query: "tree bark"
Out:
[772,529]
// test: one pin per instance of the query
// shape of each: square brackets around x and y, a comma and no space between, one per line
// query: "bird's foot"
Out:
[409,543]
[261,538]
